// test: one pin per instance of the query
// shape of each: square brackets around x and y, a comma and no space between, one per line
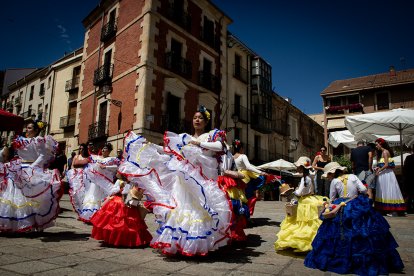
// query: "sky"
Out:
[309,44]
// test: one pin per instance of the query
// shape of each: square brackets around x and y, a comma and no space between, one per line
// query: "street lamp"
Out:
[295,144]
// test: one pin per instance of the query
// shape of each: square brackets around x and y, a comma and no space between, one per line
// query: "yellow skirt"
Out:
[297,232]
[248,175]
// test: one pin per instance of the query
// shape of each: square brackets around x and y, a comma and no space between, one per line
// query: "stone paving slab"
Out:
[67,249]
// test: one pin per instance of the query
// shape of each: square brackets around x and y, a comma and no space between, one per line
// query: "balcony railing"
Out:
[109,30]
[276,156]
[242,113]
[179,17]
[175,125]
[240,73]
[18,101]
[103,74]
[211,39]
[258,155]
[42,116]
[9,106]
[280,126]
[209,81]
[97,130]
[261,123]
[340,109]
[72,84]
[67,121]
[178,65]
[27,114]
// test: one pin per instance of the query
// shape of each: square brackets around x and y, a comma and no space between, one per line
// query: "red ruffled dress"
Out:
[119,225]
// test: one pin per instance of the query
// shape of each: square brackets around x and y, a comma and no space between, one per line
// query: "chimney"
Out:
[392,71]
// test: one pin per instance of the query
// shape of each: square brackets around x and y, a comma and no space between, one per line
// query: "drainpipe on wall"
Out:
[51,100]
[99,63]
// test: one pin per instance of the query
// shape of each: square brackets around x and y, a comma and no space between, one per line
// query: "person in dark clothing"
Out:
[70,160]
[59,162]
[408,177]
[361,159]
[321,159]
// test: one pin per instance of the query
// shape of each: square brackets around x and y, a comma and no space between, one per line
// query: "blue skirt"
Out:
[356,241]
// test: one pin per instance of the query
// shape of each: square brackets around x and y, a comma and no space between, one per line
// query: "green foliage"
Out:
[343,160]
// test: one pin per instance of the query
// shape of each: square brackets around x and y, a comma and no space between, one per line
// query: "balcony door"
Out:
[103,111]
[173,113]
[176,49]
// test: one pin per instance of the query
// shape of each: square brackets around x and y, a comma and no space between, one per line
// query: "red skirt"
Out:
[119,225]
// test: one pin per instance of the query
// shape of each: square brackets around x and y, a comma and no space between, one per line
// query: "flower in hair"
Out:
[204,110]
[236,142]
[40,124]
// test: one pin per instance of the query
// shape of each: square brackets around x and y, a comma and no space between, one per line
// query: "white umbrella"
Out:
[278,165]
[346,138]
[397,121]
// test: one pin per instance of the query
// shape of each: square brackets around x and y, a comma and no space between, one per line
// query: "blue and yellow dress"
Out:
[297,232]
[357,240]
[388,195]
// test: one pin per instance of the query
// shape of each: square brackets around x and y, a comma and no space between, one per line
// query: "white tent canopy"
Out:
[393,122]
[346,138]
[278,165]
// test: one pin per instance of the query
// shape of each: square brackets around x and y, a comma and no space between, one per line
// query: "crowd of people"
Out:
[202,192]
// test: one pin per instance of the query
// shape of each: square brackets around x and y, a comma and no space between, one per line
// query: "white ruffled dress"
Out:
[192,211]
[29,192]
[90,185]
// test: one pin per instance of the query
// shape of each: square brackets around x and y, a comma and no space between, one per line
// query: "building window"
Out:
[49,82]
[382,101]
[31,93]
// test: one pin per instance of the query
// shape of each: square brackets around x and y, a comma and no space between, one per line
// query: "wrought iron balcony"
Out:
[261,123]
[241,112]
[179,17]
[98,129]
[41,116]
[103,74]
[240,73]
[72,84]
[9,106]
[178,65]
[174,124]
[109,30]
[340,109]
[18,101]
[280,126]
[67,121]
[209,81]
[28,114]
[258,155]
[210,39]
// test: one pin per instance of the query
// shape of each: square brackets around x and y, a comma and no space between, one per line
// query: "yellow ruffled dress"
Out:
[297,232]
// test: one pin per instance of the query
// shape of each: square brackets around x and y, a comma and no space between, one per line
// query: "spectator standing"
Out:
[321,159]
[119,154]
[408,176]
[59,162]
[361,159]
[70,160]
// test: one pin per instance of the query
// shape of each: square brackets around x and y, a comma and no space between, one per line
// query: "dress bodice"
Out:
[381,162]
[37,150]
[347,186]
[107,161]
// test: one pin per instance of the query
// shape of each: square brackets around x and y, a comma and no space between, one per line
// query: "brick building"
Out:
[374,93]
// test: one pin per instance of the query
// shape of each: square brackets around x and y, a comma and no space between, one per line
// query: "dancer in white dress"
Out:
[388,197]
[91,181]
[29,192]
[192,211]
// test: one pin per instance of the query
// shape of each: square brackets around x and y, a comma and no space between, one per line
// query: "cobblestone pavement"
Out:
[66,249]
